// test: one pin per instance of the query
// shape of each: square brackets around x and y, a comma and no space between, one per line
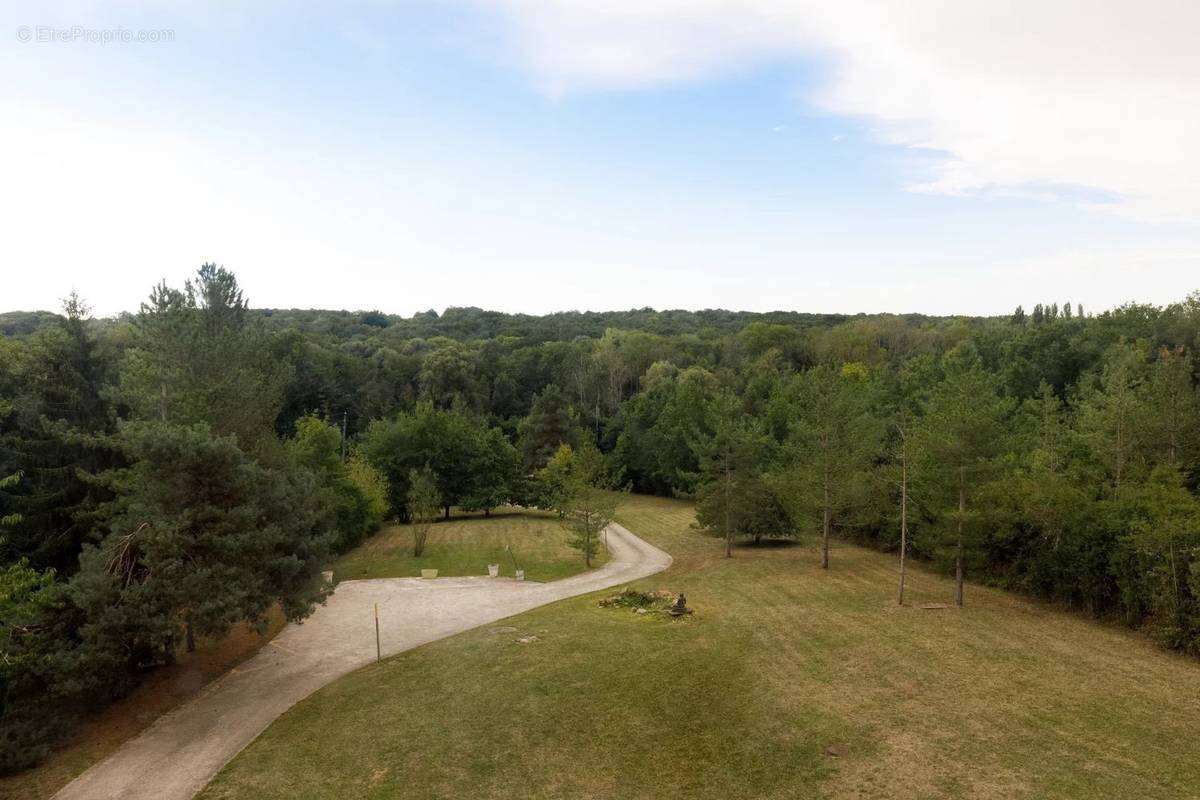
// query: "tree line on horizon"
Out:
[169,474]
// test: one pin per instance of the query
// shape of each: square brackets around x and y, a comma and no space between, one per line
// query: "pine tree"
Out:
[199,357]
[731,451]
[203,536]
[832,440]
[549,424]
[962,433]
[591,507]
[52,433]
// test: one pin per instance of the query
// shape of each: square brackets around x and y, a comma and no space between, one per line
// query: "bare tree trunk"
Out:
[958,557]
[1119,467]
[825,523]
[1174,571]
[728,507]
[162,401]
[903,513]
[447,514]
[191,635]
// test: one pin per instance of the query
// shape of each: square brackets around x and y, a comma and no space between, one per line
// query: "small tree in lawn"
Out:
[901,405]
[589,508]
[962,433]
[730,452]
[832,440]
[424,502]
[904,463]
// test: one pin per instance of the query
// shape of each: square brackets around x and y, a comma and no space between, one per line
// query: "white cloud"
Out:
[1032,94]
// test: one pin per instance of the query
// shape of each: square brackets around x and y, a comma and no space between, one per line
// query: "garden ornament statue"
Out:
[680,608]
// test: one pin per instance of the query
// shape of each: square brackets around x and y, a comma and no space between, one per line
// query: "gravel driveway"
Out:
[176,756]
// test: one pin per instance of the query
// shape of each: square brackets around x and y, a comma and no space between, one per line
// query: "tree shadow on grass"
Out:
[500,512]
[768,544]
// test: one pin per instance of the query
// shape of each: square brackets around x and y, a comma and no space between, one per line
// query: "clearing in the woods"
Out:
[465,544]
[788,681]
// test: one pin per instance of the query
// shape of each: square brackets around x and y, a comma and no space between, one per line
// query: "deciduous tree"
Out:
[423,503]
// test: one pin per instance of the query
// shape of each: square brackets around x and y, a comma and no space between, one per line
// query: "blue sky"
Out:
[539,156]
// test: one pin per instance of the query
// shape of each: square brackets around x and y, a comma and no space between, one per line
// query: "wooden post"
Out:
[378,656]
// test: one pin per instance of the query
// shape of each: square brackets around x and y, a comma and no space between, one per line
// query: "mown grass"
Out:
[465,544]
[1005,698]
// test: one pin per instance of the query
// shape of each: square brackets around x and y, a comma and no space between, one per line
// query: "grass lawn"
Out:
[465,544]
[1006,698]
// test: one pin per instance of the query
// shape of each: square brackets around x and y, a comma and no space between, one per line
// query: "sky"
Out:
[934,156]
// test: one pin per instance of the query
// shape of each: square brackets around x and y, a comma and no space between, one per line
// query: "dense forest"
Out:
[168,474]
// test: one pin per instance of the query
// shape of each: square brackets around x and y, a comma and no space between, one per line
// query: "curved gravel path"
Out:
[176,756]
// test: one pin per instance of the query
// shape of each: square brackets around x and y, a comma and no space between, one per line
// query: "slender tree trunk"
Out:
[447,514]
[1174,571]
[1120,461]
[825,523]
[162,400]
[728,509]
[903,514]
[958,557]
[191,636]
[345,415]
